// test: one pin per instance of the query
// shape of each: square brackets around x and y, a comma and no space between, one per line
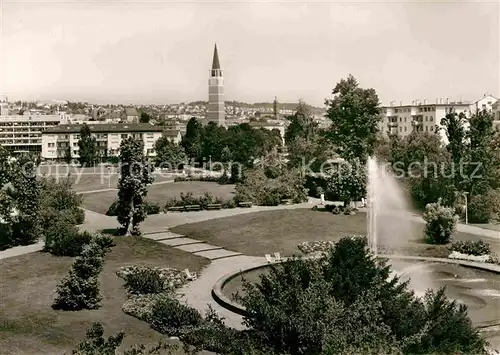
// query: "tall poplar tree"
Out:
[87,147]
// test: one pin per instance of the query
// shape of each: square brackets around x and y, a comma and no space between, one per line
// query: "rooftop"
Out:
[131,111]
[106,128]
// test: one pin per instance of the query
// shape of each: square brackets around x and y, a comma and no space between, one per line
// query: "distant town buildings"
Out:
[57,140]
[216,110]
[426,116]
[23,133]
[4,106]
[131,115]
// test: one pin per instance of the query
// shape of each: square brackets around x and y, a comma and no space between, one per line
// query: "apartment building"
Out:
[55,141]
[419,116]
[23,133]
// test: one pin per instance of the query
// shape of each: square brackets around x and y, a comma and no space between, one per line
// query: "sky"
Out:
[161,51]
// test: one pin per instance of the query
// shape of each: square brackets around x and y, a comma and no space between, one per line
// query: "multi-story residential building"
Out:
[23,133]
[484,103]
[495,109]
[4,106]
[423,117]
[55,141]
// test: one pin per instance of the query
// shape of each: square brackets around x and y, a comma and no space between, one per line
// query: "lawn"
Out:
[28,324]
[282,230]
[100,181]
[100,201]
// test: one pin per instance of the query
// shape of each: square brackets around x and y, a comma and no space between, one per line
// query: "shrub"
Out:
[152,208]
[478,209]
[206,199]
[58,196]
[62,238]
[471,247]
[440,223]
[231,203]
[80,289]
[105,242]
[112,210]
[96,344]
[75,293]
[256,187]
[198,177]
[144,281]
[169,316]
[149,207]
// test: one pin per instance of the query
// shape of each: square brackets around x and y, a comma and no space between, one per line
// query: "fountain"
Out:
[386,201]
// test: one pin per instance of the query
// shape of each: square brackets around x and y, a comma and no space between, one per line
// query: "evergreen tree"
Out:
[483,170]
[87,147]
[68,158]
[453,125]
[192,140]
[355,117]
[301,125]
[134,178]
[5,167]
[169,154]
[27,227]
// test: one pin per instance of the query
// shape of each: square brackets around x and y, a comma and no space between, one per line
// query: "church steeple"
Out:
[216,71]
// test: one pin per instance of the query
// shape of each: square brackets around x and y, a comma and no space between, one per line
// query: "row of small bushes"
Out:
[337,209]
[149,207]
[206,199]
[80,289]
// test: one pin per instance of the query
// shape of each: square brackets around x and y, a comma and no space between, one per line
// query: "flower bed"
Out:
[315,246]
[172,278]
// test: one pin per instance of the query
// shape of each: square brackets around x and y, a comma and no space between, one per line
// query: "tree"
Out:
[5,166]
[484,166]
[145,117]
[212,141]
[192,140]
[347,302]
[87,147]
[453,125]
[27,228]
[68,158]
[348,181]
[169,154]
[132,186]
[355,117]
[302,124]
[57,197]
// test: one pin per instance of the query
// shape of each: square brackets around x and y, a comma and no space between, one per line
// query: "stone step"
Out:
[163,236]
[179,241]
[217,254]
[193,248]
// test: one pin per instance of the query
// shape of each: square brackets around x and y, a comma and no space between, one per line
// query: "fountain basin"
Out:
[475,284]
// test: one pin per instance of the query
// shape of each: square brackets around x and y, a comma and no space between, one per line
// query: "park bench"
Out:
[176,209]
[214,206]
[287,201]
[245,204]
[192,207]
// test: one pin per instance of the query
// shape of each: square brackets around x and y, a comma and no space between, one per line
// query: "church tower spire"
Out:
[216,64]
[216,110]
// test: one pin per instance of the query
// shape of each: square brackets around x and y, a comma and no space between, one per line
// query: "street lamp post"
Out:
[466,213]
